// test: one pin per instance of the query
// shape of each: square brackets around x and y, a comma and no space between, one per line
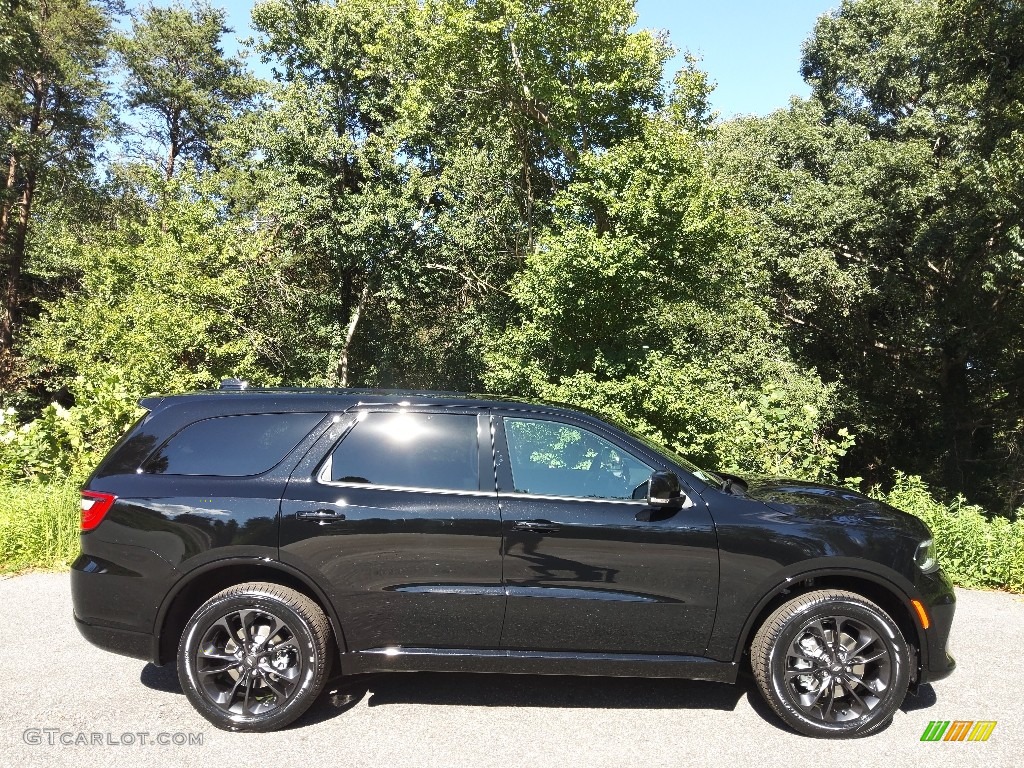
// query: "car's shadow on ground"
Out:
[488,690]
[164,679]
[560,692]
[924,699]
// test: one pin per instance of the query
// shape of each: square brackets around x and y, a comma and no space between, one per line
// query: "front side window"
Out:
[409,450]
[554,459]
[232,446]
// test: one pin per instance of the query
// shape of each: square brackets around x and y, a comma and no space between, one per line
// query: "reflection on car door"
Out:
[580,570]
[392,511]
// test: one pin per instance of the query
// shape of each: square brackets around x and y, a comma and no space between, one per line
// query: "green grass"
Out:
[973,550]
[38,526]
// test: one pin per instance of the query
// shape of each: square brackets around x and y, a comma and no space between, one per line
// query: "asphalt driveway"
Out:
[68,703]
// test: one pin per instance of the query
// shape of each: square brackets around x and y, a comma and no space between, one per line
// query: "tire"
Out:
[254,657]
[836,697]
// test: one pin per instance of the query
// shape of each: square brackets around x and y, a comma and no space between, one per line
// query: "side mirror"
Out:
[663,490]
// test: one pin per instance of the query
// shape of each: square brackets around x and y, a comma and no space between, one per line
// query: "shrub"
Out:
[63,445]
[38,525]
[974,550]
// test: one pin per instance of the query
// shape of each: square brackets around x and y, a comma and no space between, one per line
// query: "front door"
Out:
[581,571]
[391,512]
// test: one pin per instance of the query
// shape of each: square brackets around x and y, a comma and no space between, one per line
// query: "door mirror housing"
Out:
[665,491]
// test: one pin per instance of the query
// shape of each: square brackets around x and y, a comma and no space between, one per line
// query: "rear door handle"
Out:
[323,515]
[535,526]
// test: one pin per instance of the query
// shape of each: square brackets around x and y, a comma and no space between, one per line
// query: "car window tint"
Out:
[232,446]
[130,452]
[410,450]
[555,459]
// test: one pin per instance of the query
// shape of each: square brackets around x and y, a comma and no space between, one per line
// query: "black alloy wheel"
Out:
[254,657]
[832,664]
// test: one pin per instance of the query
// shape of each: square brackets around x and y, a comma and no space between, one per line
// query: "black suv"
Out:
[263,538]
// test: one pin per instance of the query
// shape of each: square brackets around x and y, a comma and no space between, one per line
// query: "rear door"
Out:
[392,514]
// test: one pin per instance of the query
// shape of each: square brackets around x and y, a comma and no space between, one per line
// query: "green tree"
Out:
[167,297]
[637,303]
[179,80]
[888,209]
[412,149]
[51,88]
[536,83]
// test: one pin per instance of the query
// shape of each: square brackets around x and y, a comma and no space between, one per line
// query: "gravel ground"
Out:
[53,679]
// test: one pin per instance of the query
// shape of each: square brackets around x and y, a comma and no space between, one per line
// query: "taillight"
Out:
[94,506]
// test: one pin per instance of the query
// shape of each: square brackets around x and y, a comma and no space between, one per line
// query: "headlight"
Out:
[925,556]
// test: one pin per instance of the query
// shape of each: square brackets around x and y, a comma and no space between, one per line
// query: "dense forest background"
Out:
[507,196]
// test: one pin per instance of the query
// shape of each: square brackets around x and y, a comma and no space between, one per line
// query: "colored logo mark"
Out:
[958,730]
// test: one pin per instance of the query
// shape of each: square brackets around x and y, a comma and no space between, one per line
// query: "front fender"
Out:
[734,627]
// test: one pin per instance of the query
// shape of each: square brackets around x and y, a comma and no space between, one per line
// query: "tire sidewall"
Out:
[310,661]
[891,637]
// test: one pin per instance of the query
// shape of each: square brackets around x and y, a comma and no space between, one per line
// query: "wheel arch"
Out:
[885,594]
[202,583]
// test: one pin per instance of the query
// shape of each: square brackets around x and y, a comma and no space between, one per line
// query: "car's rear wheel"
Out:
[254,657]
[831,663]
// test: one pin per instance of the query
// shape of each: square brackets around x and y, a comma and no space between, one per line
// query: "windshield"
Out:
[709,478]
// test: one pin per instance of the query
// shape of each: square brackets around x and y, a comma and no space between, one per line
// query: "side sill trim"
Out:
[406,659]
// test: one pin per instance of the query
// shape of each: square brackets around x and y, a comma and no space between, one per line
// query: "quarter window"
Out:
[551,458]
[410,450]
[232,446]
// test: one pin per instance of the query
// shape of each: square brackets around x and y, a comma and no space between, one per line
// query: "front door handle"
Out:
[323,515]
[535,526]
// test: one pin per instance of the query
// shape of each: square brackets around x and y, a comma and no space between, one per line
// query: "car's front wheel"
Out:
[254,657]
[832,664]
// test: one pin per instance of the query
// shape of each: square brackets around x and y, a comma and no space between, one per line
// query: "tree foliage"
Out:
[413,148]
[166,300]
[51,58]
[508,195]
[177,77]
[636,304]
[889,217]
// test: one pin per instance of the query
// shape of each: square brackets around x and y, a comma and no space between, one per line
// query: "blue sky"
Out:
[750,48]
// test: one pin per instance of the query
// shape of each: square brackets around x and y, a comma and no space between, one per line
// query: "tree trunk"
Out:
[7,317]
[957,422]
[15,262]
[12,246]
[5,208]
[357,311]
[172,155]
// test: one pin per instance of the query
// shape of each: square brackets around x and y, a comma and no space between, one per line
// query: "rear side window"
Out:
[409,450]
[130,451]
[232,446]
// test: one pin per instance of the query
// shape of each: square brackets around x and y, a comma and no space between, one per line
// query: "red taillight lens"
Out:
[94,506]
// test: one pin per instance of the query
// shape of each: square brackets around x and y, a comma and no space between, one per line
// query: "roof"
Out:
[327,398]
